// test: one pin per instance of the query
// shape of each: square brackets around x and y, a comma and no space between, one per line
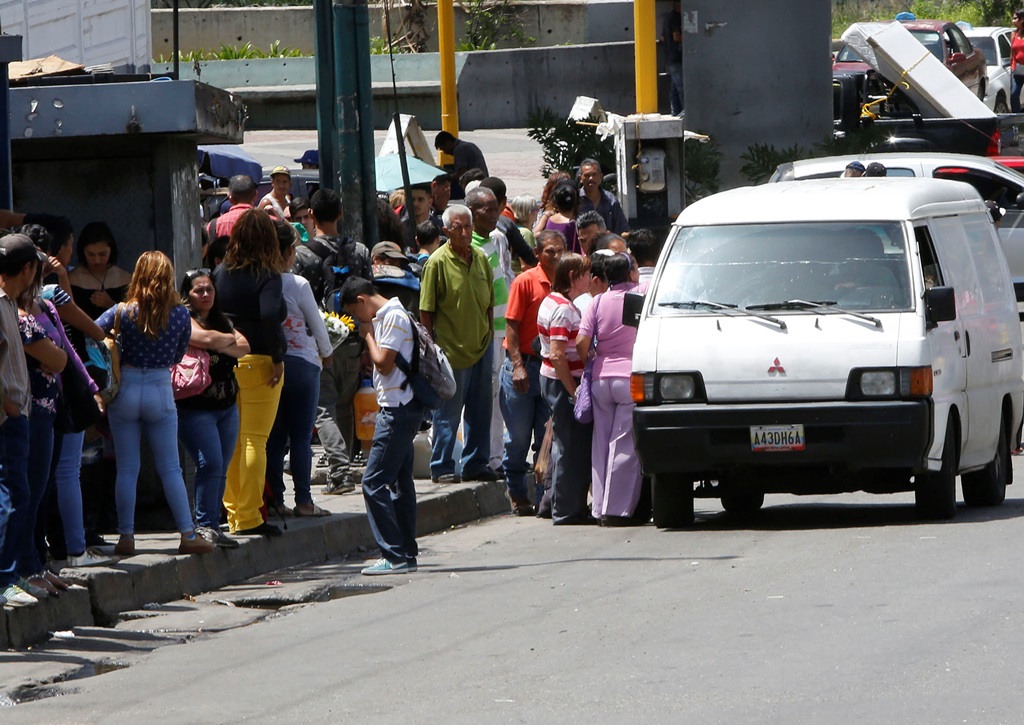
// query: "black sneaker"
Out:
[337,488]
[488,474]
[263,529]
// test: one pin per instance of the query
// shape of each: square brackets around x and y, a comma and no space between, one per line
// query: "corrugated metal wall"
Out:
[91,32]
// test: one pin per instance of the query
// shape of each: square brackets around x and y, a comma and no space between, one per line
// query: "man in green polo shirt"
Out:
[457,308]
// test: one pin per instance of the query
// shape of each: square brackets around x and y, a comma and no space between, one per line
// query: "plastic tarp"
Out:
[225,161]
[898,56]
[389,172]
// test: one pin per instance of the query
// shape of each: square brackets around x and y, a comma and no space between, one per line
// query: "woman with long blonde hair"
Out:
[251,296]
[154,331]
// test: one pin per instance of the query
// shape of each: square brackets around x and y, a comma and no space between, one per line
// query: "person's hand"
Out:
[326,361]
[101,299]
[99,403]
[276,374]
[12,410]
[520,378]
[53,266]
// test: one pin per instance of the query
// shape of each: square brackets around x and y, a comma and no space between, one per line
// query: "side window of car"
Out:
[930,268]
[1004,49]
[957,41]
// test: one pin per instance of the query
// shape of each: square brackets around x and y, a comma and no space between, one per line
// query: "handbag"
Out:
[111,349]
[583,408]
[76,407]
[191,376]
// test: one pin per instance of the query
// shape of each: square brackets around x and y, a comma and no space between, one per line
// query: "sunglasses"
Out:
[200,272]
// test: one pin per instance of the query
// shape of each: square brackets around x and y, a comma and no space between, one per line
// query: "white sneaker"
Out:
[18,597]
[90,558]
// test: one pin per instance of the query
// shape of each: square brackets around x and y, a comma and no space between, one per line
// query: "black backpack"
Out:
[335,267]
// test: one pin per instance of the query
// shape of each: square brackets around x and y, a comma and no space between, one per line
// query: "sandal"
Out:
[316,512]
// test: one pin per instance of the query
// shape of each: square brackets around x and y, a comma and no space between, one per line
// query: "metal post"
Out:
[326,96]
[176,43]
[6,183]
[355,172]
[449,91]
[645,22]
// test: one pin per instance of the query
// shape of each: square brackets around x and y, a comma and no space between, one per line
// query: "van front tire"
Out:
[987,487]
[935,493]
[673,501]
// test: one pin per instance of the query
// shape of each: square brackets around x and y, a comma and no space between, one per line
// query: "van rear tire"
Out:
[673,501]
[935,492]
[987,487]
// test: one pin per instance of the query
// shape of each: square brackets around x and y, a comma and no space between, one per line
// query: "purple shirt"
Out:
[603,320]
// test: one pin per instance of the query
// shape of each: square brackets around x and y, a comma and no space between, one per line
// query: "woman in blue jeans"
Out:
[154,333]
[308,345]
[208,422]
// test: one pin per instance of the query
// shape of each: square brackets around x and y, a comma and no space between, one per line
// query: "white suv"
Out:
[995,44]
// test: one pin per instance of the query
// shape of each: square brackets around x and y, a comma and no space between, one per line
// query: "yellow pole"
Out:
[449,92]
[645,23]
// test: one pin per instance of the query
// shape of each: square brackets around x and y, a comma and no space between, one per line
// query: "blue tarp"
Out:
[226,160]
[389,172]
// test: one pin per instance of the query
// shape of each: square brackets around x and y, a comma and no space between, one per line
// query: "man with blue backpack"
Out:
[326,262]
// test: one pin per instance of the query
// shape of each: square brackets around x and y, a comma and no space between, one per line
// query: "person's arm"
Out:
[383,358]
[270,303]
[210,339]
[51,357]
[427,320]
[181,325]
[583,346]
[76,317]
[239,348]
[542,221]
[429,283]
[315,323]
[75,360]
[619,223]
[519,247]
[520,378]
[53,266]
[106,320]
[560,362]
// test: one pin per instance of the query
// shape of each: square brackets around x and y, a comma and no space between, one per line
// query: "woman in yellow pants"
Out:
[249,290]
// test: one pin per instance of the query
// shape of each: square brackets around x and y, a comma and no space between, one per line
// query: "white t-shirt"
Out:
[304,328]
[393,331]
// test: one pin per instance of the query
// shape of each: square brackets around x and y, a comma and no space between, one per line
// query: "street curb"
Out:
[150,577]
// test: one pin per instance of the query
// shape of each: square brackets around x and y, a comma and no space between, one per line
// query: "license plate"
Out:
[776,438]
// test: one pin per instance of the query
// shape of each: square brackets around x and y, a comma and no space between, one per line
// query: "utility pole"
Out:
[645,23]
[449,91]
[344,105]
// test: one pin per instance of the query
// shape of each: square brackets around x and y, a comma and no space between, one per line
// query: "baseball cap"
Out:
[312,156]
[856,166]
[18,249]
[389,250]
[875,169]
[280,170]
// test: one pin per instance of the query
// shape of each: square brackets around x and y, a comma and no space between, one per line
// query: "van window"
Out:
[980,237]
[957,262]
[854,265]
[930,267]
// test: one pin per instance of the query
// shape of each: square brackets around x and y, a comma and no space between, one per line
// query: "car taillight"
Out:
[995,144]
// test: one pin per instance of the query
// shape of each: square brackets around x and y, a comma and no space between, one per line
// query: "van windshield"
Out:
[852,265]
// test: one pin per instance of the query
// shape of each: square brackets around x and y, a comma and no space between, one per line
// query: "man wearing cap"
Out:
[279,197]
[309,160]
[853,170]
[242,195]
[392,276]
[19,263]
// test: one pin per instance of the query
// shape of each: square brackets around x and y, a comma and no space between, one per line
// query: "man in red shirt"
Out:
[242,195]
[522,406]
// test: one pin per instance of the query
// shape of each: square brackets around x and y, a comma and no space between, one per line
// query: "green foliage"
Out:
[761,160]
[566,143]
[702,164]
[491,21]
[975,12]
[379,46]
[234,52]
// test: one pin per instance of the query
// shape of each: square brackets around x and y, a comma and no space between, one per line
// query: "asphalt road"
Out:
[827,609]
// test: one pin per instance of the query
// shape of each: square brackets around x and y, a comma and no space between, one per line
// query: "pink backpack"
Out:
[191,376]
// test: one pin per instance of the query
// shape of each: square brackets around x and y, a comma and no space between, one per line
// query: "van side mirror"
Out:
[939,305]
[632,306]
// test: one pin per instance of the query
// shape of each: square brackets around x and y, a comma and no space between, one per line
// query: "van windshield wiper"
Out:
[730,310]
[826,306]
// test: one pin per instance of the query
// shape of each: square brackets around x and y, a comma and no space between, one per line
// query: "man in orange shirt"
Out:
[522,406]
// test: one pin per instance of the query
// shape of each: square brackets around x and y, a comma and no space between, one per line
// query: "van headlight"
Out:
[900,383]
[674,388]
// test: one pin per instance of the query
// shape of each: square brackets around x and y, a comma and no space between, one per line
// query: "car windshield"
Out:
[988,47]
[930,40]
[852,265]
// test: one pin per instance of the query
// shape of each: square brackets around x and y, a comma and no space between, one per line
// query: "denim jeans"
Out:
[526,416]
[14,497]
[1015,85]
[67,477]
[388,489]
[145,404]
[40,452]
[472,403]
[571,443]
[293,429]
[209,436]
[675,93]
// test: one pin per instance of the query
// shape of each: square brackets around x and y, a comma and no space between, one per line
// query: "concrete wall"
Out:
[91,32]
[778,79]
[551,22]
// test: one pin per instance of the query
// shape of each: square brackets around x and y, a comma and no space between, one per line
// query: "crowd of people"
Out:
[234,361]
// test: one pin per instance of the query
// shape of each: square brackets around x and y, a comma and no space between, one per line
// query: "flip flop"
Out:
[317,512]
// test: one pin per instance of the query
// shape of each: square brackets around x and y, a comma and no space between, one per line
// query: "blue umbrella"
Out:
[389,172]
[226,160]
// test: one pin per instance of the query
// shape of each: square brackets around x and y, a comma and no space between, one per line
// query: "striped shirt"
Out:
[558,319]
[13,366]
[500,259]
[392,329]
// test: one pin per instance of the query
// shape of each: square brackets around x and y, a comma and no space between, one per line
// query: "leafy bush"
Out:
[566,143]
[234,52]
[702,163]
[491,21]
[761,160]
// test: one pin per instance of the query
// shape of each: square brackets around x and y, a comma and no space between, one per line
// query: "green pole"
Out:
[327,133]
[355,172]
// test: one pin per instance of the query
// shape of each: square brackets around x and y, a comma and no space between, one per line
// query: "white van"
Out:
[828,336]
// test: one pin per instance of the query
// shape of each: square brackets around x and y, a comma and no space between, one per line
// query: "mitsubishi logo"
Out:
[777,368]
